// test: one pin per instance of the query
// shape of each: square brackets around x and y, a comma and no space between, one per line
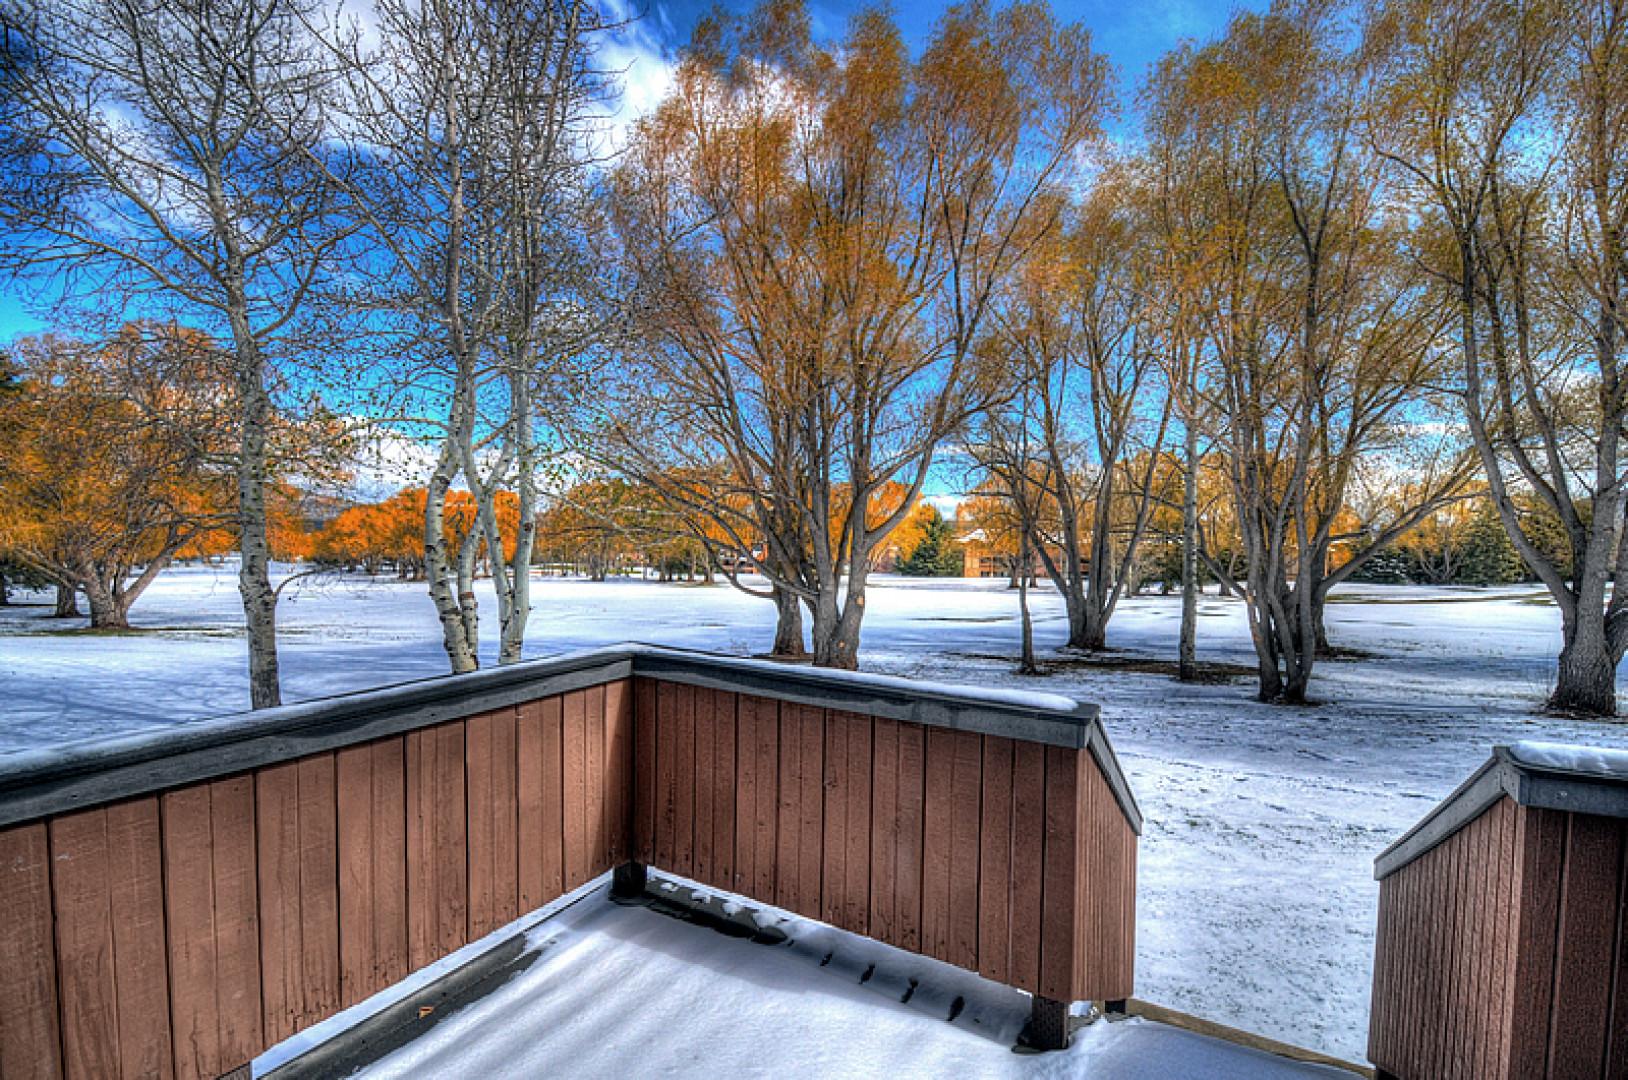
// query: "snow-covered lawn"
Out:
[1256,899]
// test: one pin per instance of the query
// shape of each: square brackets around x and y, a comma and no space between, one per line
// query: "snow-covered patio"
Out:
[607,989]
[1256,901]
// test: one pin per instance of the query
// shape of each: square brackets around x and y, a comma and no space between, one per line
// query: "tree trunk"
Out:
[1027,665]
[254,544]
[107,612]
[440,570]
[836,634]
[788,626]
[1587,678]
[67,603]
[1187,649]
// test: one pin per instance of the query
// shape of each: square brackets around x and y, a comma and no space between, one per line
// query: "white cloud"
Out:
[632,55]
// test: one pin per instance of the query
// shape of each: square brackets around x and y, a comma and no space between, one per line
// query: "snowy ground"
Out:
[1256,901]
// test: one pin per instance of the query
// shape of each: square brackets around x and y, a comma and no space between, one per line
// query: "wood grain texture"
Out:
[884,924]
[80,858]
[211,909]
[141,970]
[372,826]
[30,1035]
[618,781]
[995,862]
[437,844]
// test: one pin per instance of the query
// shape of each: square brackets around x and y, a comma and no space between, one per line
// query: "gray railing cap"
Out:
[1546,776]
[52,780]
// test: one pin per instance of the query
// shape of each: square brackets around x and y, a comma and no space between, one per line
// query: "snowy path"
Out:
[1256,900]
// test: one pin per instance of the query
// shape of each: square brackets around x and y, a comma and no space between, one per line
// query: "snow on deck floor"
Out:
[626,991]
[1256,901]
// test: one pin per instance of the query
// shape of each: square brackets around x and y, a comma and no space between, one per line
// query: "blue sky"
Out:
[1133,34]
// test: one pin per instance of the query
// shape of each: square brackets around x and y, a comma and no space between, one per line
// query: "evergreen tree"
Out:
[1489,557]
[936,555]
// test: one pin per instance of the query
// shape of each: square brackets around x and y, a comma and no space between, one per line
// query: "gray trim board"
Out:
[1502,775]
[78,775]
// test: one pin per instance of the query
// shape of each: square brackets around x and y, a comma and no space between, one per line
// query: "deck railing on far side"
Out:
[1501,952]
[176,902]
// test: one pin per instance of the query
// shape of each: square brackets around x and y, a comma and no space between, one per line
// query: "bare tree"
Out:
[1507,126]
[473,117]
[160,156]
[1319,337]
[1079,325]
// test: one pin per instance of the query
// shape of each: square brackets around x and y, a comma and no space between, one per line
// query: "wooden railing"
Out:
[176,903]
[1502,951]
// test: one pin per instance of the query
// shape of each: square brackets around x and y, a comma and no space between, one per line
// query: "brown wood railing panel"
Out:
[1502,951]
[999,856]
[180,930]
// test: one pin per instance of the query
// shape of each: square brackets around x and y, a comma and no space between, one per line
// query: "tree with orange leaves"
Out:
[108,453]
[818,236]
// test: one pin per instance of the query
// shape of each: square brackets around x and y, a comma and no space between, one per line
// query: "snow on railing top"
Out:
[1571,757]
[90,772]
[1546,776]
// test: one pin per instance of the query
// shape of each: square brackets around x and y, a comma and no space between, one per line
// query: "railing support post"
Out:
[1047,1028]
[628,880]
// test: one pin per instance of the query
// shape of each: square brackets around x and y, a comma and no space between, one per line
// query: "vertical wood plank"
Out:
[1058,899]
[578,853]
[141,973]
[966,794]
[505,818]
[594,776]
[553,822]
[1587,946]
[884,829]
[1540,840]
[766,832]
[705,793]
[237,924]
[491,766]
[277,796]
[190,911]
[619,769]
[683,721]
[478,769]
[746,782]
[1616,1062]
[389,862]
[833,861]
[788,881]
[30,1038]
[995,862]
[938,810]
[910,835]
[644,770]
[84,944]
[811,806]
[725,792]
[437,843]
[857,862]
[529,817]
[358,957]
[319,889]
[667,775]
